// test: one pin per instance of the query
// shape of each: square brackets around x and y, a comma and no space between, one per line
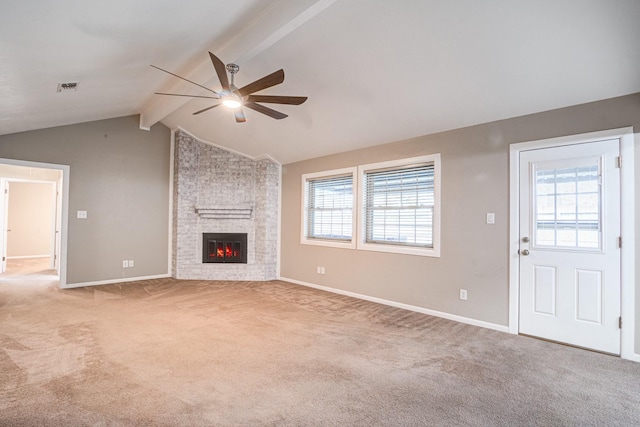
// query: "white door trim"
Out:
[65,207]
[627,227]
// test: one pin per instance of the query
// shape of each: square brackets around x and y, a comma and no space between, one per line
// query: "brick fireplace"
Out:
[218,192]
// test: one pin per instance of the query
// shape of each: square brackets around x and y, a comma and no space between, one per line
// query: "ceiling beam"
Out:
[273,25]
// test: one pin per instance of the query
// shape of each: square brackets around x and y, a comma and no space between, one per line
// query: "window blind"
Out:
[329,208]
[399,205]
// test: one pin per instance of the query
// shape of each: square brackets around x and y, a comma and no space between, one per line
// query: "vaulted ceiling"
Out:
[375,71]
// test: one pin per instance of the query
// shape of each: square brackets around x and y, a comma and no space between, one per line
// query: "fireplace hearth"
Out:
[224,248]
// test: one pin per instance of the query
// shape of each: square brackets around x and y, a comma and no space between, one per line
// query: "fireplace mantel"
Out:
[228,212]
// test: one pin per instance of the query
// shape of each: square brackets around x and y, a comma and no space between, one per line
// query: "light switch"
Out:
[491,218]
[82,214]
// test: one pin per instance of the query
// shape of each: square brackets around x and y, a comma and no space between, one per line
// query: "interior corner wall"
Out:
[120,175]
[475,180]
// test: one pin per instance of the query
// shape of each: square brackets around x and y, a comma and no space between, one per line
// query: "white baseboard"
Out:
[454,317]
[634,358]
[112,281]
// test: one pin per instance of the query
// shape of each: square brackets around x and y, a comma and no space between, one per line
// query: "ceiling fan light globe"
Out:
[231,103]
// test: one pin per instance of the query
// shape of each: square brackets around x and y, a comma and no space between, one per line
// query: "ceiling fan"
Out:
[235,98]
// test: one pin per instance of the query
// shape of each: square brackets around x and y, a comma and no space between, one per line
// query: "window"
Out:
[567,205]
[328,214]
[387,207]
[400,206]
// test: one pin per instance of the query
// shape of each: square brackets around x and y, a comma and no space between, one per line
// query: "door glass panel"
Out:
[567,203]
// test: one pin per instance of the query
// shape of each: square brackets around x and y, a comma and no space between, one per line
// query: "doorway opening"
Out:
[33,219]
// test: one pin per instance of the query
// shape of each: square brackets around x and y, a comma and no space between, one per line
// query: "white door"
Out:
[569,244]
[57,226]
[4,221]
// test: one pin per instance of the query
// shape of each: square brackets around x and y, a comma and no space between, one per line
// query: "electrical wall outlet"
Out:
[463,294]
[125,264]
[131,264]
[320,270]
[81,214]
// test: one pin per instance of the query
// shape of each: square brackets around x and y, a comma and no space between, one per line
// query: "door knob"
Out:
[524,252]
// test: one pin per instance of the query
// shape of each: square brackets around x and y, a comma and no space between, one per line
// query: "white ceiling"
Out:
[375,71]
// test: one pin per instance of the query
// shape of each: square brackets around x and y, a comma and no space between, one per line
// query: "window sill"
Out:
[329,243]
[397,249]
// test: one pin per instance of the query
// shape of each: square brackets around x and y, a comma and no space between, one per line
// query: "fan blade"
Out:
[240,117]
[191,96]
[221,71]
[292,100]
[187,80]
[272,79]
[205,109]
[265,110]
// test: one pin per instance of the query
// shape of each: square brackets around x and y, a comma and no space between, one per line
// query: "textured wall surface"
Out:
[475,181]
[120,175]
[208,177]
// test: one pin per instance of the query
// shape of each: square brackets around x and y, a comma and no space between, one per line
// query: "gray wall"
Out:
[475,180]
[120,175]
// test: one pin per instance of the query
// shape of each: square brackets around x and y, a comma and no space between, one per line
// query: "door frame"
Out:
[627,212]
[65,208]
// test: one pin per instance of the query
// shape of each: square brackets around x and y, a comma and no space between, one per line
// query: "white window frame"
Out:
[349,244]
[399,249]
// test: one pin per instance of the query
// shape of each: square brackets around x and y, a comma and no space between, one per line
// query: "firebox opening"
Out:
[224,247]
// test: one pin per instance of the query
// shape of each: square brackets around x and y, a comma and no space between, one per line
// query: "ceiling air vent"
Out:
[68,87]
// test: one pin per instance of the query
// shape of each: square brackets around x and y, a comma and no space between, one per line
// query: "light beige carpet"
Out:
[196,353]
